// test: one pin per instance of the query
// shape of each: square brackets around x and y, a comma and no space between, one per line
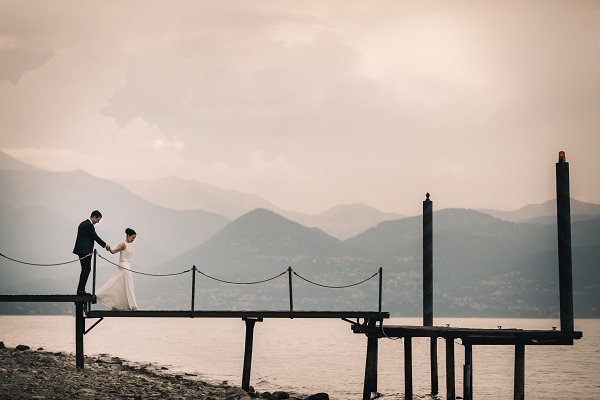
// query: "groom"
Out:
[84,245]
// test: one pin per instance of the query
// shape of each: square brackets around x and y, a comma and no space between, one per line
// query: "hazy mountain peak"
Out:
[11,163]
[189,194]
[546,212]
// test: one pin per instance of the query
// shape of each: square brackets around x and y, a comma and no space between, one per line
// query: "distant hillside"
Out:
[342,221]
[483,266]
[10,163]
[545,213]
[186,194]
[41,210]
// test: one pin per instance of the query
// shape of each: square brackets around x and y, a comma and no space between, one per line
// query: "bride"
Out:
[118,292]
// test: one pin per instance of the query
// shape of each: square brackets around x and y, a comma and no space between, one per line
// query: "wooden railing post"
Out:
[291,293]
[193,288]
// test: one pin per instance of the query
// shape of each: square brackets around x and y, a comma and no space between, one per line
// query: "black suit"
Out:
[84,245]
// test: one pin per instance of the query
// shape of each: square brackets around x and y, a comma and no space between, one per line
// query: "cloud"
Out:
[8,43]
[309,104]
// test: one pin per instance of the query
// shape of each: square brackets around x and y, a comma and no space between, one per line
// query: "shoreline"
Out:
[26,373]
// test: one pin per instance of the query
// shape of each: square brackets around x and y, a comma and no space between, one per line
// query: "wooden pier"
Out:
[83,312]
[470,337]
[373,326]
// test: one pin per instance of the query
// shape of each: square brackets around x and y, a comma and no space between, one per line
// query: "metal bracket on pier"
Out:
[357,322]
[93,326]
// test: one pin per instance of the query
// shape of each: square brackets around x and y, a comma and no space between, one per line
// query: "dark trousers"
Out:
[86,267]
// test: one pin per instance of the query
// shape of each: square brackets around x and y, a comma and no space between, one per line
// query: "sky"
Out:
[311,104]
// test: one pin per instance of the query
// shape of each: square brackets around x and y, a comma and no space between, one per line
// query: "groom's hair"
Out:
[96,214]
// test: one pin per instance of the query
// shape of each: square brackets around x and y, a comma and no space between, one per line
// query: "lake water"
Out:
[309,356]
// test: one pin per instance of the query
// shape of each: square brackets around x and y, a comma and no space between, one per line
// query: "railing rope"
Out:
[144,273]
[44,265]
[240,283]
[195,270]
[336,287]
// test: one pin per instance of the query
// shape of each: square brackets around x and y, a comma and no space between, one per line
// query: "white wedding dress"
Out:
[118,292]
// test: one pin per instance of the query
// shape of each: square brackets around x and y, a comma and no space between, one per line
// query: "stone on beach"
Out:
[39,374]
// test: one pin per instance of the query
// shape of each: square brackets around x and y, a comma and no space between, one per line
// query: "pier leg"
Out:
[468,373]
[248,351]
[79,332]
[408,386]
[450,373]
[519,372]
[370,385]
[565,258]
[434,366]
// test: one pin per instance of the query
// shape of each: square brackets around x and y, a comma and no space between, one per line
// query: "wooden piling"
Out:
[434,365]
[519,372]
[563,221]
[408,384]
[428,287]
[248,351]
[468,373]
[370,385]
[450,372]
[79,332]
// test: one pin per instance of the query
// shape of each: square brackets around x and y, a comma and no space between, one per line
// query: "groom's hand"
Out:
[107,247]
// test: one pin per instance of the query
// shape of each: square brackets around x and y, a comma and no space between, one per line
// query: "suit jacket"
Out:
[86,235]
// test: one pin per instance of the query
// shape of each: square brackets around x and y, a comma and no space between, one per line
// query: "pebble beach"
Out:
[26,373]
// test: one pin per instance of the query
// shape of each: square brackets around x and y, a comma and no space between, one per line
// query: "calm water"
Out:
[309,356]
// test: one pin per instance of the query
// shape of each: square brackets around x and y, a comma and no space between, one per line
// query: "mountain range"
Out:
[488,263]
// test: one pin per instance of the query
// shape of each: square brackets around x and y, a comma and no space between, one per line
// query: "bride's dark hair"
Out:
[130,232]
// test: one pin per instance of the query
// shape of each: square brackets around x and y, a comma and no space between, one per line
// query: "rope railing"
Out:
[144,273]
[44,265]
[336,287]
[195,270]
[240,283]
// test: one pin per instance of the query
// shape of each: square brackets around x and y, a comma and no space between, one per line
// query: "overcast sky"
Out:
[311,103]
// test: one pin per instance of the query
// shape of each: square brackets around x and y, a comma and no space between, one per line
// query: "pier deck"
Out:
[238,314]
[477,336]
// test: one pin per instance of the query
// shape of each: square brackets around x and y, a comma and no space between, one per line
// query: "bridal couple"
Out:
[118,292]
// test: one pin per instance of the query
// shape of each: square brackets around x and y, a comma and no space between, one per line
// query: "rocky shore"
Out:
[38,374]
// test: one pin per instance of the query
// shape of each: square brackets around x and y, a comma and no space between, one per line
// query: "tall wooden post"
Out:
[450,372]
[563,220]
[248,351]
[370,385]
[79,332]
[519,371]
[428,287]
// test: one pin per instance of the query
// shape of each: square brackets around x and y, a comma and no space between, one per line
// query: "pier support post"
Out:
[468,373]
[370,385]
[248,351]
[428,287]
[450,372]
[408,385]
[563,222]
[79,332]
[434,366]
[519,371]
